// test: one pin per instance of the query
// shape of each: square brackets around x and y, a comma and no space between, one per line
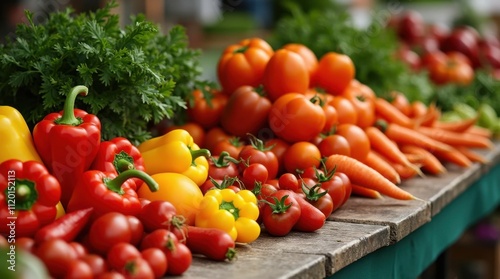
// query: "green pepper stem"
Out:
[26,194]
[123,165]
[68,117]
[115,184]
[200,152]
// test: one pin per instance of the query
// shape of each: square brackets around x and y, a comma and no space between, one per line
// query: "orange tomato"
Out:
[207,113]
[455,69]
[357,138]
[335,72]
[346,112]
[243,64]
[213,136]
[301,155]
[334,144]
[285,72]
[400,101]
[363,100]
[308,55]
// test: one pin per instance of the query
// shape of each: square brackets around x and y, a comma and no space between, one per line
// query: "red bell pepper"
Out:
[119,154]
[68,142]
[28,197]
[107,191]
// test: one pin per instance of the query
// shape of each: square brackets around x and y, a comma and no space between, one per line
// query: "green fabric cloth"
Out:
[413,254]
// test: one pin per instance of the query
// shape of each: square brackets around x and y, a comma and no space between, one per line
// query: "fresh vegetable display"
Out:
[296,129]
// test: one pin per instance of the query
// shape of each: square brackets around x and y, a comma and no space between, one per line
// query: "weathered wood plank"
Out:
[341,243]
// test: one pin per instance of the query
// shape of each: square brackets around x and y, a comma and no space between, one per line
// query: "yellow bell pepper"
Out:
[233,212]
[17,142]
[176,152]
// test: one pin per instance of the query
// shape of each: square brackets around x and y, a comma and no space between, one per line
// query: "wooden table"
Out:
[373,238]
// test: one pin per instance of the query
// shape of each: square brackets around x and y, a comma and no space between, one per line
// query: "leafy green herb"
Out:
[371,49]
[136,75]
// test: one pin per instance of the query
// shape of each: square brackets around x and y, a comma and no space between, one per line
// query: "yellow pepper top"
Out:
[17,142]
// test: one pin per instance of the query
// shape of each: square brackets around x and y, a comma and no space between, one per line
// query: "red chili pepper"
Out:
[66,227]
[119,154]
[68,142]
[28,197]
[106,192]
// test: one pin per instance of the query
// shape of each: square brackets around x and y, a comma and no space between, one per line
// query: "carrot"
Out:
[430,163]
[453,156]
[480,131]
[455,126]
[455,138]
[471,155]
[403,135]
[405,172]
[375,161]
[418,109]
[432,115]
[363,175]
[365,192]
[391,113]
[414,158]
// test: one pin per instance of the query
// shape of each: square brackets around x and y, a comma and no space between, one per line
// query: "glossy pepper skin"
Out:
[15,136]
[233,212]
[28,197]
[107,192]
[68,142]
[175,151]
[119,155]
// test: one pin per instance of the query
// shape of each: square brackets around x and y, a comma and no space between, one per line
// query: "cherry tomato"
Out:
[231,145]
[57,256]
[96,263]
[301,155]
[79,249]
[347,185]
[79,269]
[324,203]
[336,190]
[158,214]
[253,173]
[108,230]
[334,144]
[243,64]
[294,118]
[246,112]
[207,113]
[357,138]
[311,218]
[156,260]
[138,268]
[286,72]
[256,152]
[136,229]
[213,136]
[335,72]
[110,275]
[121,254]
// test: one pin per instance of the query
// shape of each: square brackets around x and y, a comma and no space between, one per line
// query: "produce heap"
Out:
[284,143]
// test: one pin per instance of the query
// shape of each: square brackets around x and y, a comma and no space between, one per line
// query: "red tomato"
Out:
[158,214]
[278,147]
[25,243]
[455,69]
[256,152]
[301,155]
[79,269]
[246,112]
[156,260]
[286,72]
[254,173]
[347,185]
[323,202]
[310,59]
[57,255]
[336,190]
[281,213]
[223,165]
[136,229]
[289,181]
[214,136]
[243,64]
[79,249]
[335,72]
[311,218]
[108,230]
[334,144]
[96,263]
[110,275]
[120,254]
[295,118]
[357,138]
[207,113]
[138,268]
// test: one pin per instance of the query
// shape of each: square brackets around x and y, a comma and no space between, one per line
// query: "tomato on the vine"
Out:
[280,213]
[294,117]
[243,64]
[254,173]
[285,72]
[257,152]
[289,181]
[246,111]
